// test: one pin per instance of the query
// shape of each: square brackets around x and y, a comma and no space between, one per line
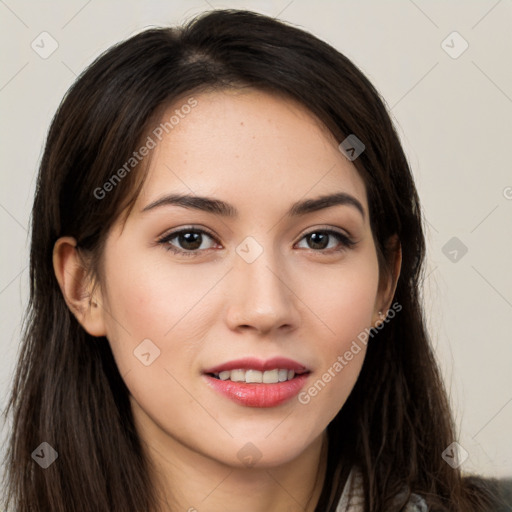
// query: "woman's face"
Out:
[257,277]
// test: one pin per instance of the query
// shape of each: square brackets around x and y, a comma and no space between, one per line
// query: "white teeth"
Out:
[255,376]
[283,375]
[271,376]
[237,375]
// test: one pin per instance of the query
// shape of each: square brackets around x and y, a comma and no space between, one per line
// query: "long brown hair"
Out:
[67,389]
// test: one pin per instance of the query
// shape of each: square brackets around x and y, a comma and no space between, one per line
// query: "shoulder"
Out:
[352,498]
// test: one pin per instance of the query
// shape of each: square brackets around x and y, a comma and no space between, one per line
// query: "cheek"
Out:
[157,301]
[151,331]
[346,305]
[345,299]
[128,300]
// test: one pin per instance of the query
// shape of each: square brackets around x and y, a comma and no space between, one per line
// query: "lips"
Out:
[258,393]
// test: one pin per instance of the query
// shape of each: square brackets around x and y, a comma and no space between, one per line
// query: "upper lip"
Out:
[251,363]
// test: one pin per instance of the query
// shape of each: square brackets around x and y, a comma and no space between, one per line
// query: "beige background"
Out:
[454,117]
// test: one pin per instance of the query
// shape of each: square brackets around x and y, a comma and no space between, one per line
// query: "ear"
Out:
[388,282]
[76,286]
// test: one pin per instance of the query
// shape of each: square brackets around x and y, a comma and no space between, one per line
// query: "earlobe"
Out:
[76,287]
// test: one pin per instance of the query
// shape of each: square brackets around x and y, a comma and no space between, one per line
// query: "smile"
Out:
[256,376]
[255,383]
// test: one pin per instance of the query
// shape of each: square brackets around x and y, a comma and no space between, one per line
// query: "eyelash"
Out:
[344,240]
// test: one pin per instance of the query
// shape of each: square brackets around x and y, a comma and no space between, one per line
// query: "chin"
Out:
[257,453]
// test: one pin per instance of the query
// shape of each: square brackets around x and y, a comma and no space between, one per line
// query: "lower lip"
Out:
[258,395]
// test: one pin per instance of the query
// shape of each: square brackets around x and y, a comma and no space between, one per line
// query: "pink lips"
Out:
[258,394]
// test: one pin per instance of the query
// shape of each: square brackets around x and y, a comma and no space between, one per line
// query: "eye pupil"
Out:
[320,240]
[190,238]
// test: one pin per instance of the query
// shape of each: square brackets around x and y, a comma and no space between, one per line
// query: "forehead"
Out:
[247,146]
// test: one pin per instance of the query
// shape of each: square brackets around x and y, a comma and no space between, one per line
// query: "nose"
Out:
[262,296]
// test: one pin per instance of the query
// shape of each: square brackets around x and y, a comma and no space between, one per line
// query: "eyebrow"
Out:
[219,207]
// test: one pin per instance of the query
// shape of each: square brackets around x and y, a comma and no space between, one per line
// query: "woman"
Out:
[226,260]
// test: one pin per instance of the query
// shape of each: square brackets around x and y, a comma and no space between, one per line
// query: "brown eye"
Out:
[319,240]
[186,242]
